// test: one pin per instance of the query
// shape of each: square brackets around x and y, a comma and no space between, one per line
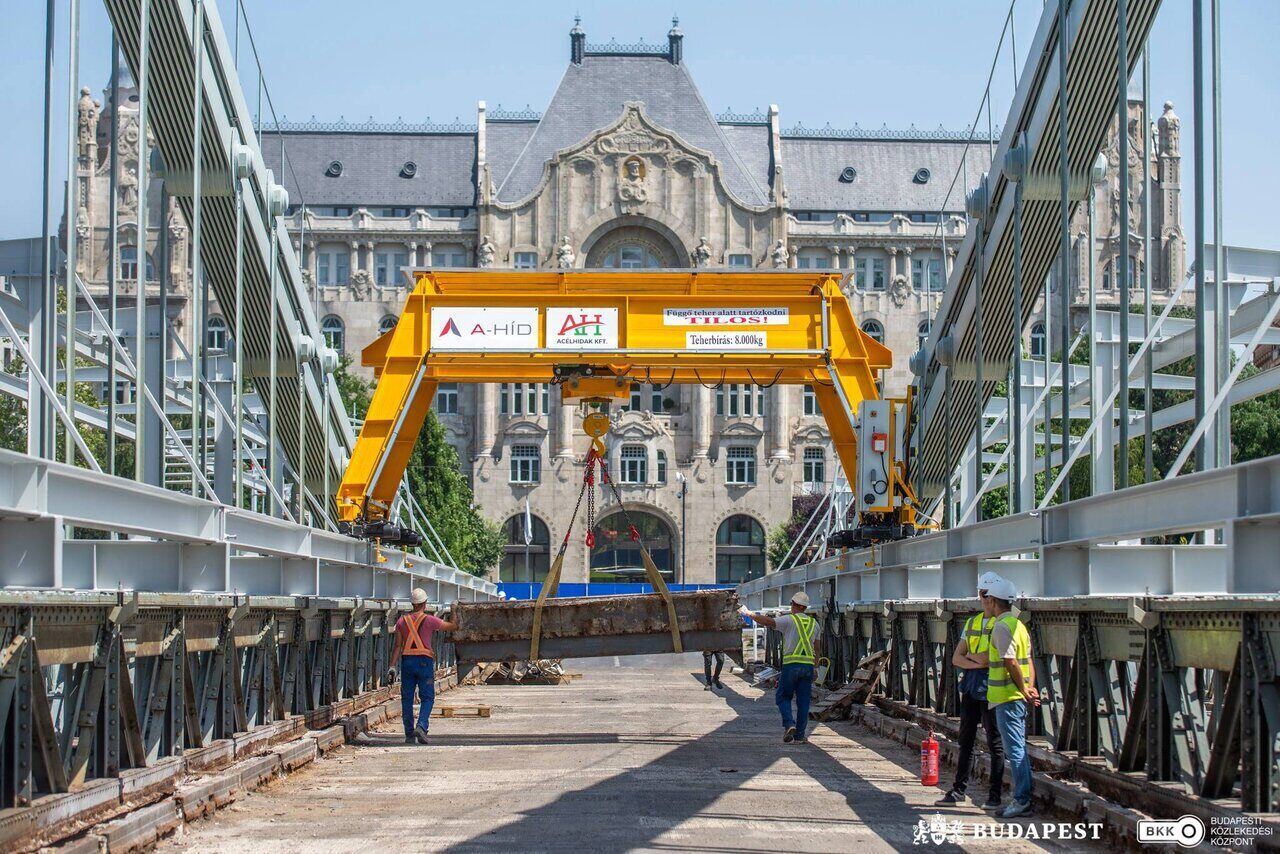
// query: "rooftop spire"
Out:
[675,41]
[577,41]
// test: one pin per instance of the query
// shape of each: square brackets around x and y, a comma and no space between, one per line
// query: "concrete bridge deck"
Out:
[634,755]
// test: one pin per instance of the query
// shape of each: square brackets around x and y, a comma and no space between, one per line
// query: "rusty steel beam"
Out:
[595,626]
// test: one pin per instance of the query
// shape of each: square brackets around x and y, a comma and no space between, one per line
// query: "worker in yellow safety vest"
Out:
[799,651]
[1011,687]
[973,659]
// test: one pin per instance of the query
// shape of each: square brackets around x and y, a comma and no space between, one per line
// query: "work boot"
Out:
[789,736]
[420,735]
[950,799]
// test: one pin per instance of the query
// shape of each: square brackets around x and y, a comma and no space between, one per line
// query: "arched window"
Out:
[922,334]
[1133,270]
[129,265]
[1106,277]
[527,555]
[387,323]
[633,466]
[215,334]
[1037,340]
[739,550]
[335,333]
[616,555]
[874,330]
[632,256]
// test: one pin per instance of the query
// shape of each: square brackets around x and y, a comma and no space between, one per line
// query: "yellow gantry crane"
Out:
[595,332]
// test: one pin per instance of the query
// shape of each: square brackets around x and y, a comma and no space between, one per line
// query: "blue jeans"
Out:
[417,671]
[795,680]
[1011,718]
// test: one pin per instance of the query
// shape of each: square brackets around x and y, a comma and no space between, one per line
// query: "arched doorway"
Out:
[633,247]
[616,556]
[521,562]
[739,550]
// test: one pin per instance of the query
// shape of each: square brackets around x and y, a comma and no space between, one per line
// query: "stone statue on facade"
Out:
[485,252]
[781,256]
[177,248]
[632,191]
[88,120]
[82,240]
[564,254]
[361,284]
[900,290]
[702,253]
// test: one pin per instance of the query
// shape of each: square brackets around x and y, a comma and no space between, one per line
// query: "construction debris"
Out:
[597,626]
[839,702]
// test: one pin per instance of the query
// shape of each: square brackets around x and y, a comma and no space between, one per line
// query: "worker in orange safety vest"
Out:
[418,671]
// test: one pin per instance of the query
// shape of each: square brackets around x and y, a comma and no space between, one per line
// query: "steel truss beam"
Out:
[94,684]
[190,544]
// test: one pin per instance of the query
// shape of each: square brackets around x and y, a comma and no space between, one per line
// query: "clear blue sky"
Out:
[921,62]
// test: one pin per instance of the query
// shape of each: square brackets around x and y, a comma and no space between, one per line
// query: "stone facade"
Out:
[627,167]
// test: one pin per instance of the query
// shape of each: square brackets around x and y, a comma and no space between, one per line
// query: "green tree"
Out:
[355,392]
[782,536]
[436,481]
[13,415]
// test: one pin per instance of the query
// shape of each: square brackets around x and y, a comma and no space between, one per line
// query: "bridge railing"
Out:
[112,699]
[1162,704]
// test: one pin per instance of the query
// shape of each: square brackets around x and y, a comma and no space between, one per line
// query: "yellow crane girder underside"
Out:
[595,332]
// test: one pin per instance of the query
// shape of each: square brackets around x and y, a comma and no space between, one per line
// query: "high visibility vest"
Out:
[1000,685]
[977,633]
[413,644]
[802,653]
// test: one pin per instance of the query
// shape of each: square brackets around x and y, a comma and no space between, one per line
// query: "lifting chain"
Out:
[596,425]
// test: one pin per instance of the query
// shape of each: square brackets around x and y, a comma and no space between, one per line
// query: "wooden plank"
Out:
[460,712]
[858,691]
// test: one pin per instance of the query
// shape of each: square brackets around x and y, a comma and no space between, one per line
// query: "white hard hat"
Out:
[418,596]
[1003,588]
[801,599]
[987,579]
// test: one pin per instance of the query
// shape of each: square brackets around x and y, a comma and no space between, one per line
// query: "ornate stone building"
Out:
[626,167]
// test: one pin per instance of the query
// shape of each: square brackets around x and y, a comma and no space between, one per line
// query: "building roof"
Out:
[593,95]
[372,165]
[751,143]
[886,173]
[503,143]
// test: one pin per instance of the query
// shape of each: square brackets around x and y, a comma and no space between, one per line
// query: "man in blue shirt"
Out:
[971,656]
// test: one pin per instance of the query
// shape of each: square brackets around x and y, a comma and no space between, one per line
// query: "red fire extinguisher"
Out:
[929,761]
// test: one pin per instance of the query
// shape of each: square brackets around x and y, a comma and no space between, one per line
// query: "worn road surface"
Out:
[633,756]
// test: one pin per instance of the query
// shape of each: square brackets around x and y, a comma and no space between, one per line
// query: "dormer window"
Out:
[335,169]
[409,169]
[922,176]
[848,174]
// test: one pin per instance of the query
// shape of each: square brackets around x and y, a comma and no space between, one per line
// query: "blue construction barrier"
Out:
[528,590]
